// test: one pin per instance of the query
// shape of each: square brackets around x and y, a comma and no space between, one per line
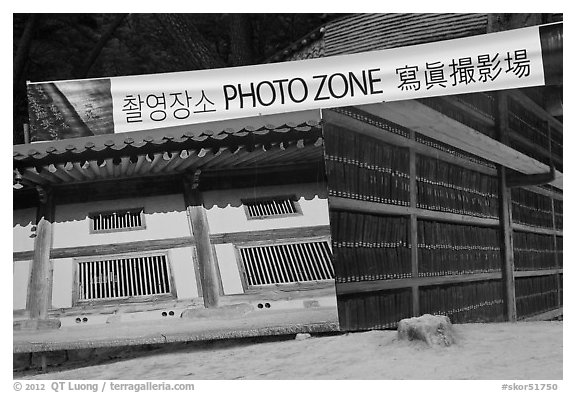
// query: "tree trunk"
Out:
[501,22]
[241,52]
[19,65]
[195,49]
[24,48]
[82,72]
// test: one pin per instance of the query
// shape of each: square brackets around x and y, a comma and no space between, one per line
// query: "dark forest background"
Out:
[71,46]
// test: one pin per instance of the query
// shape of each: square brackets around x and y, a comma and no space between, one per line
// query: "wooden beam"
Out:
[126,306]
[542,231]
[86,172]
[40,288]
[516,180]
[59,172]
[534,273]
[270,235]
[201,236]
[179,242]
[425,120]
[505,207]
[71,170]
[481,117]
[110,249]
[379,285]
[33,175]
[385,209]
[283,292]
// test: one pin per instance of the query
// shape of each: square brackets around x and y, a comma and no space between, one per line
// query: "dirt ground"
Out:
[510,351]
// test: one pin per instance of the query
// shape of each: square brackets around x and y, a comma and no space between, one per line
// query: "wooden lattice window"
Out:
[119,277]
[117,220]
[271,207]
[287,263]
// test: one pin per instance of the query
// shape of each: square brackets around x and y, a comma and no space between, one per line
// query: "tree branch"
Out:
[104,38]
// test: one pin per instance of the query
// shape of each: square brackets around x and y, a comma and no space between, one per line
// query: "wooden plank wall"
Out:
[416,228]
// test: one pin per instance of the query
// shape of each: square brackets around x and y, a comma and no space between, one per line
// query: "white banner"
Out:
[510,59]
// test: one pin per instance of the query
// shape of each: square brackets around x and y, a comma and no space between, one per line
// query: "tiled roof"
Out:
[367,32]
[299,45]
[209,135]
[218,147]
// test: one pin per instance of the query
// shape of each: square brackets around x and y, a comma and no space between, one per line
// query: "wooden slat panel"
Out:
[343,121]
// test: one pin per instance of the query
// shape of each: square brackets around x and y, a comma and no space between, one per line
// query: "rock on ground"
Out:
[432,329]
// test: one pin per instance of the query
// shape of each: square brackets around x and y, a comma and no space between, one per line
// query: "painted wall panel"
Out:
[165,217]
[63,280]
[226,214]
[182,265]
[22,223]
[229,272]
[21,279]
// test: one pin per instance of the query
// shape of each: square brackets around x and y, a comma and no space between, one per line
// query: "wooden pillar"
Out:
[40,289]
[200,231]
[505,202]
[556,261]
[507,246]
[414,230]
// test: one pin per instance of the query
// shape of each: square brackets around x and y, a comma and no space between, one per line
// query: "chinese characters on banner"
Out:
[464,70]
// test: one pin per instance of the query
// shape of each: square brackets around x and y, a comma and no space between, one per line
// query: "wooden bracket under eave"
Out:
[196,179]
[42,194]
[522,180]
